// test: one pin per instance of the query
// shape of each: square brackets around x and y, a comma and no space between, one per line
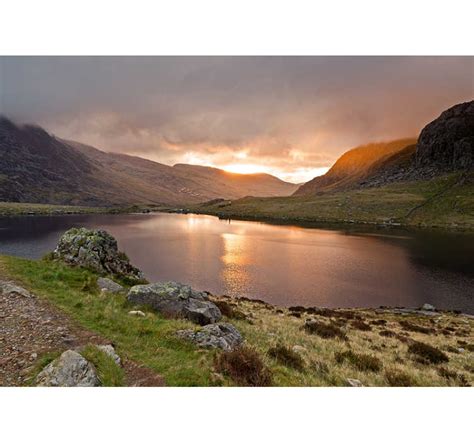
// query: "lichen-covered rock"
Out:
[176,299]
[96,250]
[70,369]
[107,284]
[219,335]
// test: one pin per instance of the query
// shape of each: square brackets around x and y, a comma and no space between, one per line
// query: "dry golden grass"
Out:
[374,359]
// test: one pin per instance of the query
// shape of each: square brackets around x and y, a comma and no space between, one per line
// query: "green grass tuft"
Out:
[109,373]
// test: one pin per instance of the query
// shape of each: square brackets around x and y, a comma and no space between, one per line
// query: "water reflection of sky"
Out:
[286,265]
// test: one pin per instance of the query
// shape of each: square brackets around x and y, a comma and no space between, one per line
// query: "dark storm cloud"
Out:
[284,113]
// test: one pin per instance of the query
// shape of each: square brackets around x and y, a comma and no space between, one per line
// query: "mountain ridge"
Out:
[37,167]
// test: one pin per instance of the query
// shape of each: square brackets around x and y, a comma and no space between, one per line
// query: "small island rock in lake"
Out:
[176,299]
[95,250]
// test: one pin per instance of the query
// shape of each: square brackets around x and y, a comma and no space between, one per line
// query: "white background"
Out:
[222,28]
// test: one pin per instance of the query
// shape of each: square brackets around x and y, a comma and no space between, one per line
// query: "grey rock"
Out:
[9,288]
[428,307]
[109,285]
[96,250]
[219,335]
[177,300]
[353,382]
[110,351]
[68,370]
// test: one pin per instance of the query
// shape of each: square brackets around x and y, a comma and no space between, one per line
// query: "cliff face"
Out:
[447,143]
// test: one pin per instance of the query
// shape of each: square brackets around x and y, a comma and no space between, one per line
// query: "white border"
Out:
[236,415]
[243,27]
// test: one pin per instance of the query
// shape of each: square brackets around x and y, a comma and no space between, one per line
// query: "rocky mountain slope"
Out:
[445,145]
[356,165]
[36,167]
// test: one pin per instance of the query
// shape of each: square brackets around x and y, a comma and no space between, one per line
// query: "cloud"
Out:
[288,115]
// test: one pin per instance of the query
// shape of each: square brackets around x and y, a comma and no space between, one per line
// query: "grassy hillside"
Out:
[445,202]
[376,347]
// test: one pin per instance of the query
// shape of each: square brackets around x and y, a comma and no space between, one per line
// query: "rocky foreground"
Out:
[79,319]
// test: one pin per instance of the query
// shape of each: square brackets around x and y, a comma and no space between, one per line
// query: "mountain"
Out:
[37,167]
[444,145]
[356,165]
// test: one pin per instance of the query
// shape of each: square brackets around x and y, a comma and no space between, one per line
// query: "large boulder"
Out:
[177,300]
[68,370]
[447,143]
[96,250]
[220,335]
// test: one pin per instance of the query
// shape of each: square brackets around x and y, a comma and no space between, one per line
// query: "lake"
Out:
[282,264]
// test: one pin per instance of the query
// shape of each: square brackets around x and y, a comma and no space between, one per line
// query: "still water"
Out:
[284,265]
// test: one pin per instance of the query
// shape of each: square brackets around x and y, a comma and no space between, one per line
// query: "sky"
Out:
[288,116]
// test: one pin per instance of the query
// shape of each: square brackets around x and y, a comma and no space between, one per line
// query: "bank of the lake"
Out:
[14,209]
[444,203]
[370,347]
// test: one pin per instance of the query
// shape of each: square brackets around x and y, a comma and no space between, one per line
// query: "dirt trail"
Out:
[30,327]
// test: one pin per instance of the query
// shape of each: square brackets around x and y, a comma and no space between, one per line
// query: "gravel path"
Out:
[30,327]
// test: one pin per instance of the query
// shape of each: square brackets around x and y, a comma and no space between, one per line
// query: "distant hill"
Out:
[36,167]
[356,165]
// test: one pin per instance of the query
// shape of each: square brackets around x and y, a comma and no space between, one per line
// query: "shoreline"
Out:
[14,209]
[325,223]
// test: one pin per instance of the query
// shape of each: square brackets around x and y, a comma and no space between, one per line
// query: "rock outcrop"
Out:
[177,300]
[220,335]
[69,370]
[96,250]
[447,143]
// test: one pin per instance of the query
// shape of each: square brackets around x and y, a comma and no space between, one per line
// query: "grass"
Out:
[398,378]
[15,209]
[324,330]
[7,208]
[245,366]
[109,373]
[362,362]
[427,354]
[151,340]
[287,357]
[443,203]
